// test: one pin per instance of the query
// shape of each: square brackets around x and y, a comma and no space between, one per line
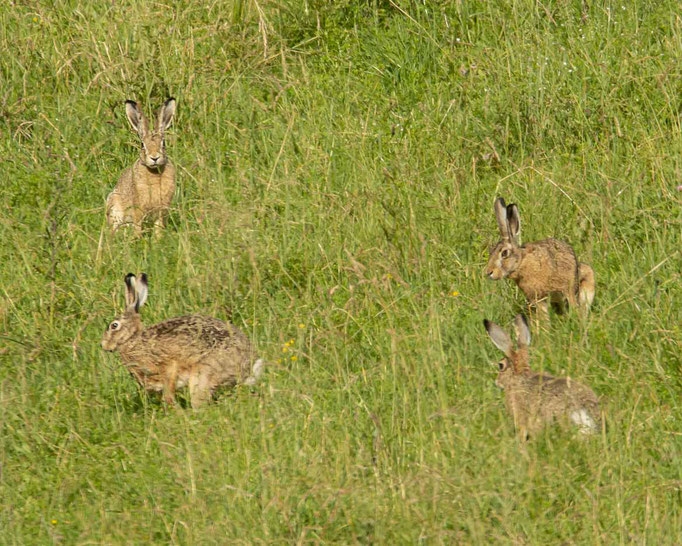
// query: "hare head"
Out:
[506,255]
[153,151]
[129,324]
[515,361]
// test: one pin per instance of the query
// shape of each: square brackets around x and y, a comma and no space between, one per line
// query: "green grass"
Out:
[337,165]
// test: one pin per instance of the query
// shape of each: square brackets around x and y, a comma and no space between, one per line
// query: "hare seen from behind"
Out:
[202,353]
[543,270]
[534,399]
[145,190]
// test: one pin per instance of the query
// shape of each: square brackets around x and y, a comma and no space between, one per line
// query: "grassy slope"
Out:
[336,169]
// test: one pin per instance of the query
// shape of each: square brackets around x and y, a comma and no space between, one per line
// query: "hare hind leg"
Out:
[200,391]
[170,380]
[114,210]
[118,214]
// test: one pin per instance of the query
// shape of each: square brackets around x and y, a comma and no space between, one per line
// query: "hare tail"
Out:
[586,286]
[582,418]
[256,372]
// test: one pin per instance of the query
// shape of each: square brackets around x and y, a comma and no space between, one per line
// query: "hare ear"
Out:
[142,291]
[165,115]
[136,118]
[500,338]
[130,290]
[501,215]
[514,223]
[522,331]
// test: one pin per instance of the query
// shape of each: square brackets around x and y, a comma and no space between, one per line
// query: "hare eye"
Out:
[114,325]
[505,253]
[502,365]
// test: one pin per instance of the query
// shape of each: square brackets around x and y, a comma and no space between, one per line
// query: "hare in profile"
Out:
[533,399]
[202,353]
[145,190]
[543,270]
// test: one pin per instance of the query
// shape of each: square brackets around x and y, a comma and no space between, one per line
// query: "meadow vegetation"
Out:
[337,166]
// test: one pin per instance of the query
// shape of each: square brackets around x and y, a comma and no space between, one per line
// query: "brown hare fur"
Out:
[202,353]
[534,399]
[546,270]
[145,190]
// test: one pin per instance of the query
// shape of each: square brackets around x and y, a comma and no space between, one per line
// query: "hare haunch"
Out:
[199,352]
[145,190]
[534,399]
[543,270]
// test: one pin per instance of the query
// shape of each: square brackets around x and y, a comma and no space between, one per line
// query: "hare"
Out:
[200,352]
[543,270]
[535,399]
[146,189]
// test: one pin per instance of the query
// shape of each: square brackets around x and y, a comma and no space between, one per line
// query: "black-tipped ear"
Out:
[165,115]
[501,217]
[136,118]
[130,289]
[514,222]
[142,291]
[499,337]
[522,330]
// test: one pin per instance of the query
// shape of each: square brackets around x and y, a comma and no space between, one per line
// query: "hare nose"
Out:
[154,158]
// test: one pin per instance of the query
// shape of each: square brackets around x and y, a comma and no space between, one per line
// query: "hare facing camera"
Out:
[145,190]
[534,399]
[198,352]
[543,270]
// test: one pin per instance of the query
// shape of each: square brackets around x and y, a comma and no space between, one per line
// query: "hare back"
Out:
[563,387]
[197,332]
[545,397]
[187,348]
[547,267]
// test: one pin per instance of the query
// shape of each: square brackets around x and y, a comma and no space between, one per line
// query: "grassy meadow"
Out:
[337,164]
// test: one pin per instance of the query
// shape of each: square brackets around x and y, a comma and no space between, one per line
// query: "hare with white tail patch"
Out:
[534,399]
[202,353]
[145,190]
[543,270]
